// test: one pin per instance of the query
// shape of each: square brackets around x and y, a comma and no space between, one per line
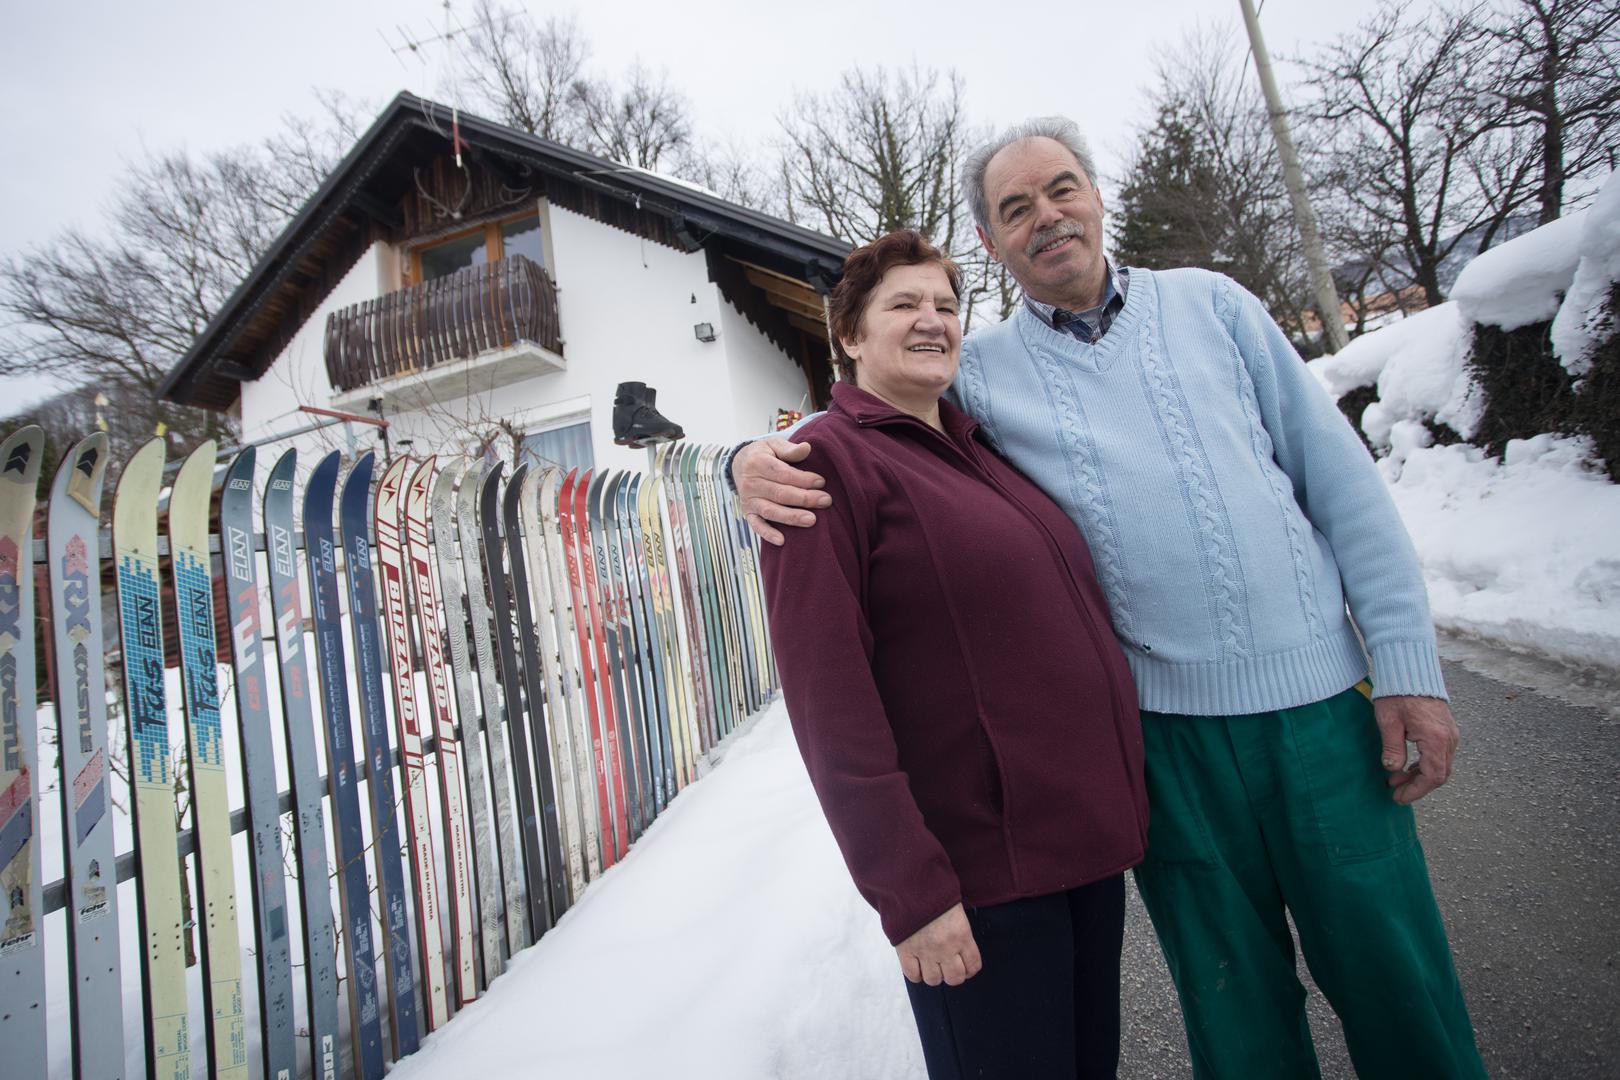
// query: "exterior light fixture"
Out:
[704,331]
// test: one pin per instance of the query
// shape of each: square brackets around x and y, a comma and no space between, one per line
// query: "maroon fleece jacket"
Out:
[967,718]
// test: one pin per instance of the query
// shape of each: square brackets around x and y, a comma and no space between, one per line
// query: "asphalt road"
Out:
[1524,851]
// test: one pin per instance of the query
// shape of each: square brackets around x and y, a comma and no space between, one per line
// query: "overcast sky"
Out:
[89,85]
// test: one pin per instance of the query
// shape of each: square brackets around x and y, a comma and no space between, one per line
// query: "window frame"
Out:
[494,240]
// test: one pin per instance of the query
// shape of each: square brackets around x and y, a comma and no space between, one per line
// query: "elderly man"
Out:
[1232,514]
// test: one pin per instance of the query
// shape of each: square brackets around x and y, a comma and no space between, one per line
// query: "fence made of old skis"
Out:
[604,634]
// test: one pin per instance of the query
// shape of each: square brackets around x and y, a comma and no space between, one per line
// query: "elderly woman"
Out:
[967,719]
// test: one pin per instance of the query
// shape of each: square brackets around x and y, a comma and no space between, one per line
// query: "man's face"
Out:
[1046,222]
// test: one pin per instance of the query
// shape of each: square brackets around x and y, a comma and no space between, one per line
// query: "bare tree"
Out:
[114,309]
[1407,137]
[642,122]
[1203,186]
[879,153]
[1556,69]
[524,74]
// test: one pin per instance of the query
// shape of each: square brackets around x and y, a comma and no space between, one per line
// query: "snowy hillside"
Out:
[1519,550]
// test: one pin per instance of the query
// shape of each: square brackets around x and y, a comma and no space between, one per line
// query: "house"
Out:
[462,279]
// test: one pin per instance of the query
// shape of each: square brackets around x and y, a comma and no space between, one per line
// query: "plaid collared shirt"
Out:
[1090,325]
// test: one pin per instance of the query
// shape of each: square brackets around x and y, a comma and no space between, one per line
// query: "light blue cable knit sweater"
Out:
[1229,506]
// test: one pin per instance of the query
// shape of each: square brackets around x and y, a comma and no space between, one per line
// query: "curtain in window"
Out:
[569,447]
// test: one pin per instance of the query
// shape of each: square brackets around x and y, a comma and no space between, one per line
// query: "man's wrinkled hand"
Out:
[1426,722]
[770,489]
[941,952]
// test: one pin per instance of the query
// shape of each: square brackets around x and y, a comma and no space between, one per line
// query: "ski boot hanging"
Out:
[636,419]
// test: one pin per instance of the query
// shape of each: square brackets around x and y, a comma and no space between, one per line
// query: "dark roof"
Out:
[361,201]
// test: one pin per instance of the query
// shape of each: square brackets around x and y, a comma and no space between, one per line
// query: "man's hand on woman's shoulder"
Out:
[770,489]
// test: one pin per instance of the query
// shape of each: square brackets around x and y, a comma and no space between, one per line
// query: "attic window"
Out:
[479,245]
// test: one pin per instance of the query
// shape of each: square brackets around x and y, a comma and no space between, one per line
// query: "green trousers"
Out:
[1252,815]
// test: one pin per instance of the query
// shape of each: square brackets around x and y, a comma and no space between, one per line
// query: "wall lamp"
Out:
[704,331]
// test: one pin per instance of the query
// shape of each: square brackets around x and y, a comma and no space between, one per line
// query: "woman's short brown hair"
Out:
[863,269]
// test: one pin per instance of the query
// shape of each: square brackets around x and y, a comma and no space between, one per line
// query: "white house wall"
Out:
[298,377]
[627,309]
[763,378]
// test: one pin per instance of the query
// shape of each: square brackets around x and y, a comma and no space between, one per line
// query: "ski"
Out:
[402,681]
[625,828]
[715,577]
[574,812]
[495,709]
[22,945]
[489,524]
[448,745]
[698,642]
[81,714]
[677,690]
[593,810]
[624,703]
[353,512]
[140,622]
[486,860]
[632,647]
[651,645]
[210,805]
[278,1045]
[343,780]
[553,818]
[298,730]
[724,576]
[610,807]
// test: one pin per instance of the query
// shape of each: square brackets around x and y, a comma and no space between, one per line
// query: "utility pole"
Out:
[1327,297]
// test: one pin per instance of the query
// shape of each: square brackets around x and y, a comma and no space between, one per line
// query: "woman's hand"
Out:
[941,952]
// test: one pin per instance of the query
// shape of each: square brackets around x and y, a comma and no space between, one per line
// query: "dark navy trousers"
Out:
[1046,1004]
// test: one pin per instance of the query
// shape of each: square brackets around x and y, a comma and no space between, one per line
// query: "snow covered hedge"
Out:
[1496,420]
[1528,344]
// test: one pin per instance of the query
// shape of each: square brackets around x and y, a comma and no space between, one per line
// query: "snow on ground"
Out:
[1519,551]
[730,943]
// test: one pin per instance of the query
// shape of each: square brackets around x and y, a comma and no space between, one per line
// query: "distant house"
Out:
[517,287]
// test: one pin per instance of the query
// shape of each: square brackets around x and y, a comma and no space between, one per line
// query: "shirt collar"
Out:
[1114,286]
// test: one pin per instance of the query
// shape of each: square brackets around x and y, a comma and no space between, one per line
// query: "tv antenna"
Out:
[418,46]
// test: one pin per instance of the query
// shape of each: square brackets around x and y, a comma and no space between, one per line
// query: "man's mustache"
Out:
[1057,231]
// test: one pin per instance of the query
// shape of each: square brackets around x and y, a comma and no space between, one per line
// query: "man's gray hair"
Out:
[1057,128]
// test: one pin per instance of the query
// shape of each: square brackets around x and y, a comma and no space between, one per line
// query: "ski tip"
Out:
[444,487]
[239,476]
[324,474]
[285,464]
[360,472]
[394,474]
[20,453]
[422,476]
[151,455]
[82,472]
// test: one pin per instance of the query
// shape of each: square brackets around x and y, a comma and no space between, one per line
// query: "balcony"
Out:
[470,332]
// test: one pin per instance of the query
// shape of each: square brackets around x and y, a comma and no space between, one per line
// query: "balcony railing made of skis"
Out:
[456,317]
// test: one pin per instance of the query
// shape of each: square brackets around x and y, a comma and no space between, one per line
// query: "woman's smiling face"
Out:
[910,337]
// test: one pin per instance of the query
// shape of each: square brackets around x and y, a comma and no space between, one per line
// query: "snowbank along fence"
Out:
[535,664]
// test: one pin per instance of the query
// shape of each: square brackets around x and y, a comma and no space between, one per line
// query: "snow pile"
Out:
[1523,280]
[1519,551]
[1418,365]
[1582,322]
[730,943]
